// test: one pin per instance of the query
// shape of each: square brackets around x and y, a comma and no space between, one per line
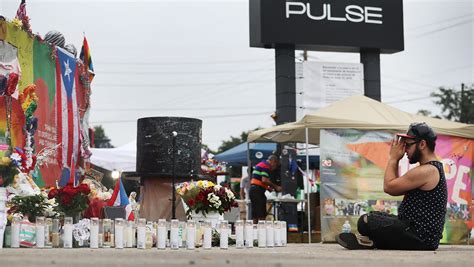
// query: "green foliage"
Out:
[455,104]
[427,113]
[32,206]
[100,139]
[227,144]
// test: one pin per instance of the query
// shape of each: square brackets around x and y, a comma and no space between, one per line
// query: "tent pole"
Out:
[249,174]
[248,160]
[307,185]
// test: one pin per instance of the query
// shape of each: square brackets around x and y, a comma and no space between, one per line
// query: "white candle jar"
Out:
[67,233]
[224,235]
[40,232]
[239,234]
[174,234]
[161,234]
[141,233]
[119,233]
[94,233]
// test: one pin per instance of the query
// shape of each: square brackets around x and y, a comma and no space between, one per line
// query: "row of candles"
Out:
[105,233]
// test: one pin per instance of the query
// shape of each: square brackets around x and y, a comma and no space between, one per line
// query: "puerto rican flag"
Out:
[119,198]
[67,119]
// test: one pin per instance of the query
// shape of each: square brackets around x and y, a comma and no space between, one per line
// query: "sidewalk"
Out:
[292,255]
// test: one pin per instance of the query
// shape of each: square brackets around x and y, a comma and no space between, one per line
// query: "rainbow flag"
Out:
[85,56]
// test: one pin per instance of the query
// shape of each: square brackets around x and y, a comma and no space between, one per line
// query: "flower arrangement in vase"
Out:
[71,200]
[204,197]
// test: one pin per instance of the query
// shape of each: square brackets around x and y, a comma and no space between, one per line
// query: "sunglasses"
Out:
[410,144]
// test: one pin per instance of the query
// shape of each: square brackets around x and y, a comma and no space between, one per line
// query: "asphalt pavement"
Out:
[292,255]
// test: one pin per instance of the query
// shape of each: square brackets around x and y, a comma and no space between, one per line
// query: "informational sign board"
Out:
[320,84]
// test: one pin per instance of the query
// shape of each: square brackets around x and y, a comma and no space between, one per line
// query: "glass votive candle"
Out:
[149,234]
[190,234]
[15,238]
[107,233]
[182,234]
[141,233]
[239,234]
[224,235]
[128,233]
[134,232]
[174,234]
[94,233]
[55,237]
[277,233]
[67,233]
[262,234]
[248,234]
[255,232]
[48,230]
[161,234]
[112,233]
[101,233]
[207,236]
[283,234]
[40,232]
[119,233]
[269,227]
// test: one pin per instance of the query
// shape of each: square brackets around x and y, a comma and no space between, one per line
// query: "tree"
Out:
[206,147]
[427,113]
[100,139]
[227,144]
[456,105]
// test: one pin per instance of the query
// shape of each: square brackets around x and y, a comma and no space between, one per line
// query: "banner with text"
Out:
[352,170]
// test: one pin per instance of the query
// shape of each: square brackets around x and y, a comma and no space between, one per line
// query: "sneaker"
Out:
[351,241]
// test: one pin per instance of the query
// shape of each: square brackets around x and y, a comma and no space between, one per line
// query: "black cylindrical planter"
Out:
[155,146]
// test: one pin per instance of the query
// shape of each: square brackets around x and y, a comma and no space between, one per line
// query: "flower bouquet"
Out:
[71,201]
[204,197]
[212,167]
[31,206]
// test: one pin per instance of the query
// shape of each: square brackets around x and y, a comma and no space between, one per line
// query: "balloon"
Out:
[3,84]
[71,49]
[12,83]
[55,38]
[34,124]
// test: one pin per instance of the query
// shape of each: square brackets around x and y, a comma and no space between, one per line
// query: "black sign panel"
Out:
[328,25]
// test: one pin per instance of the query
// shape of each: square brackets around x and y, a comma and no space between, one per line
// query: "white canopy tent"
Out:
[121,158]
[355,112]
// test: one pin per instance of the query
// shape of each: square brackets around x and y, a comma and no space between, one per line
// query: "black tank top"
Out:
[426,210]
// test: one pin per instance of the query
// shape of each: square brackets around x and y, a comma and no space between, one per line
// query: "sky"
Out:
[192,59]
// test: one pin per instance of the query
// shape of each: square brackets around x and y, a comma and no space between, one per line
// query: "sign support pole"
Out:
[371,61]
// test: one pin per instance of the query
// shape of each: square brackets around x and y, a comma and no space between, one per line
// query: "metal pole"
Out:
[307,185]
[173,191]
[249,174]
[461,116]
[248,160]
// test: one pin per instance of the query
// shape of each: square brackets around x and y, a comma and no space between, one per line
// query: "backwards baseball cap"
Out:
[419,131]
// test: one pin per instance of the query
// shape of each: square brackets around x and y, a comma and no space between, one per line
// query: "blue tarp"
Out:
[237,156]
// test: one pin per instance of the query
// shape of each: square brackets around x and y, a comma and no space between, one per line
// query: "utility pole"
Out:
[461,116]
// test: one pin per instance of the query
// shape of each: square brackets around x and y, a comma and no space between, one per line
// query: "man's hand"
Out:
[278,188]
[397,149]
